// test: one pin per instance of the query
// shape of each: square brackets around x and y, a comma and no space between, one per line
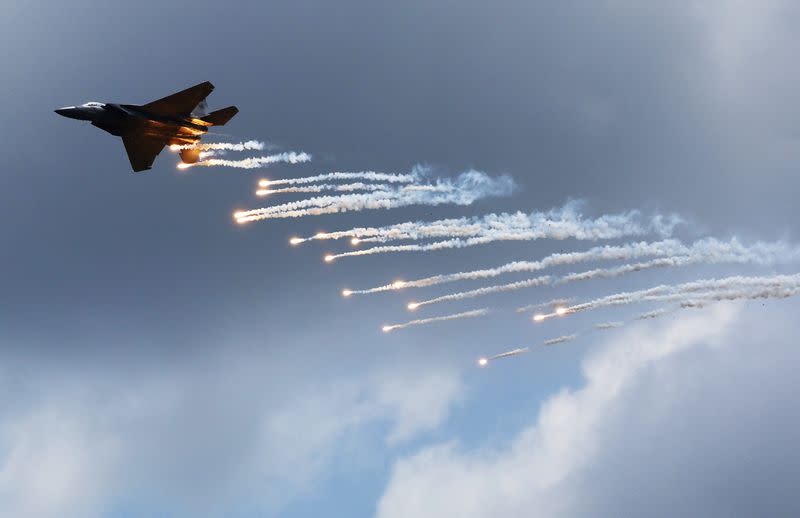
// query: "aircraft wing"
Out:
[142,149]
[182,103]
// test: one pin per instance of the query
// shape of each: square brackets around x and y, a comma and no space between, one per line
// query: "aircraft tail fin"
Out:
[220,117]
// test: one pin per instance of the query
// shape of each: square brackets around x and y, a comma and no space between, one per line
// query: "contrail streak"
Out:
[290,157]
[463,190]
[467,314]
[362,233]
[528,283]
[250,145]
[657,313]
[697,292]
[609,325]
[330,204]
[705,251]
[552,304]
[208,154]
[485,361]
[345,187]
[370,176]
[600,253]
[562,223]
[559,223]
[560,340]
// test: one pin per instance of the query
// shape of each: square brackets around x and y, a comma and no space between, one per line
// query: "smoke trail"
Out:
[324,203]
[290,157]
[521,350]
[208,154]
[600,253]
[250,145]
[370,176]
[558,223]
[697,292]
[560,340]
[552,304]
[363,233]
[705,251]
[463,190]
[565,222]
[529,283]
[428,188]
[609,325]
[457,316]
[485,361]
[654,314]
[345,187]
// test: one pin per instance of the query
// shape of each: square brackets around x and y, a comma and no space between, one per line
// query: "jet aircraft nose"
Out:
[68,111]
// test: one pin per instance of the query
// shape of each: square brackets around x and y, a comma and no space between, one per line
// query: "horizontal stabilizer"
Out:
[220,117]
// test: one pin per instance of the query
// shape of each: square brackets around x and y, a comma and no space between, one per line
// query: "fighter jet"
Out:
[146,129]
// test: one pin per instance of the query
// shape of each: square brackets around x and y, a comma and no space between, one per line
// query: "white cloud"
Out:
[199,437]
[658,416]
[52,462]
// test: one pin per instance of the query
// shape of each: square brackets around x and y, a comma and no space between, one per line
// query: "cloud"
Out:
[208,436]
[54,462]
[650,433]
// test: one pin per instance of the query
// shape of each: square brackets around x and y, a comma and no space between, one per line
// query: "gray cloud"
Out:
[682,106]
[212,433]
[585,452]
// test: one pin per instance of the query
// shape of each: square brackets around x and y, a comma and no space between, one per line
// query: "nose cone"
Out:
[69,111]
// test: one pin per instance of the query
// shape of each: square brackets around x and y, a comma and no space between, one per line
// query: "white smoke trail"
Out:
[363,233]
[379,190]
[484,361]
[337,203]
[250,145]
[552,304]
[290,157]
[521,350]
[528,283]
[370,176]
[563,223]
[558,223]
[705,251]
[696,292]
[208,154]
[427,188]
[345,187]
[463,190]
[560,340]
[467,314]
[657,313]
[609,325]
[600,253]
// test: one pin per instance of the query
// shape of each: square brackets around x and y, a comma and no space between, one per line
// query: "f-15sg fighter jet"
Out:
[174,120]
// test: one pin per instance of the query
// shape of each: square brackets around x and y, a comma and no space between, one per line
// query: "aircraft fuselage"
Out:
[120,119]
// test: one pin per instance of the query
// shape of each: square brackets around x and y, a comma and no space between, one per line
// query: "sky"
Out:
[157,359]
